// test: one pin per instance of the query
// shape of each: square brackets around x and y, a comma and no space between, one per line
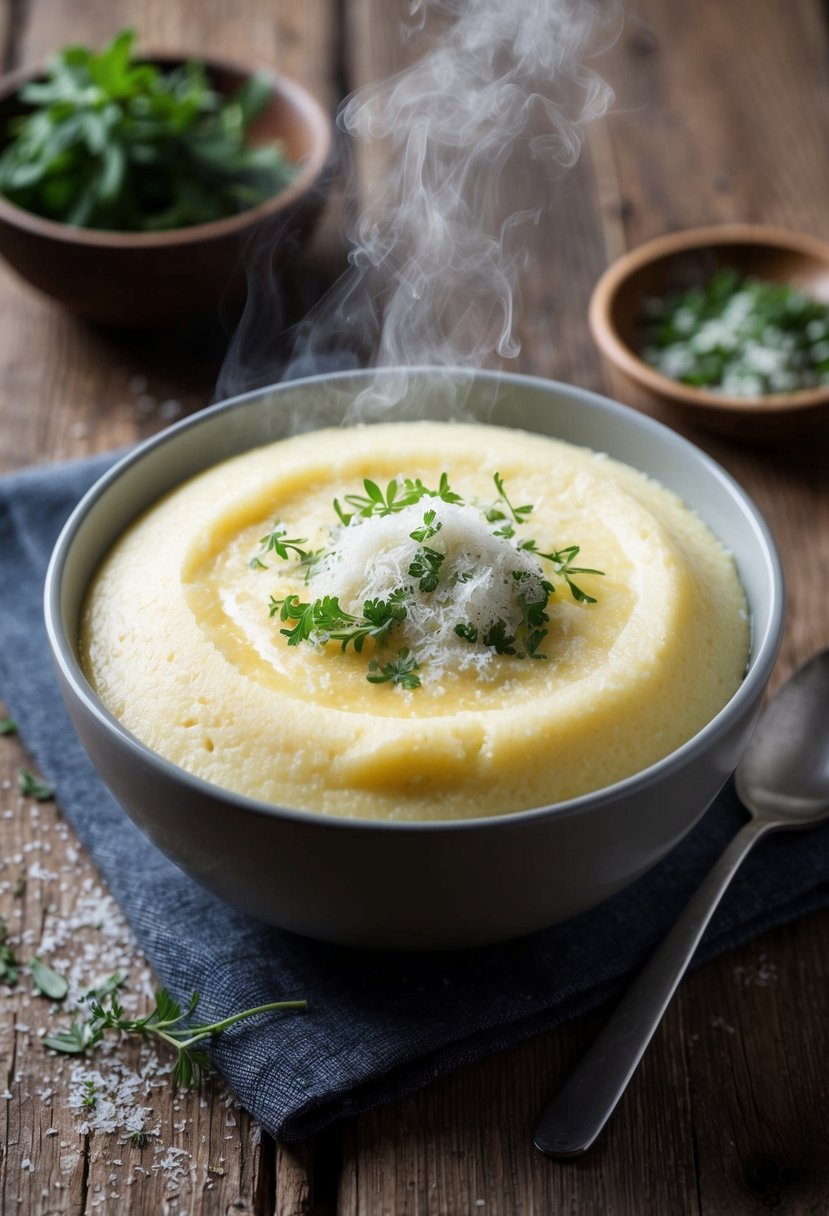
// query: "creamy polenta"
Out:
[187,640]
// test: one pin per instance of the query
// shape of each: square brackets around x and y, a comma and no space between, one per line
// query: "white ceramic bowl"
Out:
[414,885]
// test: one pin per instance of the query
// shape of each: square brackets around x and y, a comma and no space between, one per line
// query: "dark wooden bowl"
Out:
[686,259]
[151,279]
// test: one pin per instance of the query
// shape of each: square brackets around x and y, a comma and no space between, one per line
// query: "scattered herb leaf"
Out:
[8,726]
[31,787]
[429,529]
[9,966]
[47,981]
[400,671]
[426,566]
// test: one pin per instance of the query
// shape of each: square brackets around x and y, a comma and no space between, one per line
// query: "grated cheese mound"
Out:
[370,559]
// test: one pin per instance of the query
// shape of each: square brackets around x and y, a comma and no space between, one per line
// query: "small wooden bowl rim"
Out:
[606,335]
[319,127]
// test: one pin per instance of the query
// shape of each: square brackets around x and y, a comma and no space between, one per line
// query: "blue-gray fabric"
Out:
[379,1025]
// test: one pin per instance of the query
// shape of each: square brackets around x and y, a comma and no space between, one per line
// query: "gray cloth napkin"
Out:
[379,1025]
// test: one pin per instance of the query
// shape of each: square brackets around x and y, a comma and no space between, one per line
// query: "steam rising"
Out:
[473,135]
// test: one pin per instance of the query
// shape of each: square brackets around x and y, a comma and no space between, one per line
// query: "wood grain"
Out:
[729,1108]
[720,115]
[69,389]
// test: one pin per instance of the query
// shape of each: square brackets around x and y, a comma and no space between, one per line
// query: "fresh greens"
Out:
[166,1022]
[277,542]
[739,335]
[9,966]
[397,496]
[324,620]
[8,726]
[47,981]
[31,787]
[425,566]
[400,671]
[113,143]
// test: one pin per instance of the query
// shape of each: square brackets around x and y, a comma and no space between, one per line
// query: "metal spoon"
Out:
[783,780]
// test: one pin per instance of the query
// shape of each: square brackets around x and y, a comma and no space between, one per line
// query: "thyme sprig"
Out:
[166,1022]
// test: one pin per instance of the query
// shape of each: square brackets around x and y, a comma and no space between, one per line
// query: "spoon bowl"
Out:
[784,773]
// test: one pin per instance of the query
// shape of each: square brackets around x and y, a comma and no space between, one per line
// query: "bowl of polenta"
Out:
[426,676]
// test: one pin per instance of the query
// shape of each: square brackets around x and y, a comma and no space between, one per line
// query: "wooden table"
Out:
[722,113]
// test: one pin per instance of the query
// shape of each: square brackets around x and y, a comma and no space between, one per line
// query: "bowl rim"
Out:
[309,170]
[759,669]
[606,335]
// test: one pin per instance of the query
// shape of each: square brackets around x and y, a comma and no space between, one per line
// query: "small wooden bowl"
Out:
[143,279]
[687,259]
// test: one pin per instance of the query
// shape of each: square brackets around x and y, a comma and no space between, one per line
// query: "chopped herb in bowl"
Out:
[110,142]
[739,335]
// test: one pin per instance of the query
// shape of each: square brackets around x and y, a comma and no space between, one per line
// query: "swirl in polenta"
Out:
[416,621]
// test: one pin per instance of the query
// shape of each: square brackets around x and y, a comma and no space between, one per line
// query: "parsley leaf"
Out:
[425,565]
[400,671]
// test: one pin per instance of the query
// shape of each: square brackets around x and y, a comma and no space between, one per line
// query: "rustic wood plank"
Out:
[729,1108]
[467,1139]
[68,389]
[698,138]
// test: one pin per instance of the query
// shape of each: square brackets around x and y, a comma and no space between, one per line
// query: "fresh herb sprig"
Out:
[113,143]
[396,497]
[562,562]
[277,541]
[166,1022]
[324,620]
[518,514]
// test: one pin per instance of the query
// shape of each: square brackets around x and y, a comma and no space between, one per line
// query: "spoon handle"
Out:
[571,1122]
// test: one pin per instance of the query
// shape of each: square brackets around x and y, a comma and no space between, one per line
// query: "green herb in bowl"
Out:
[122,145]
[739,335]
